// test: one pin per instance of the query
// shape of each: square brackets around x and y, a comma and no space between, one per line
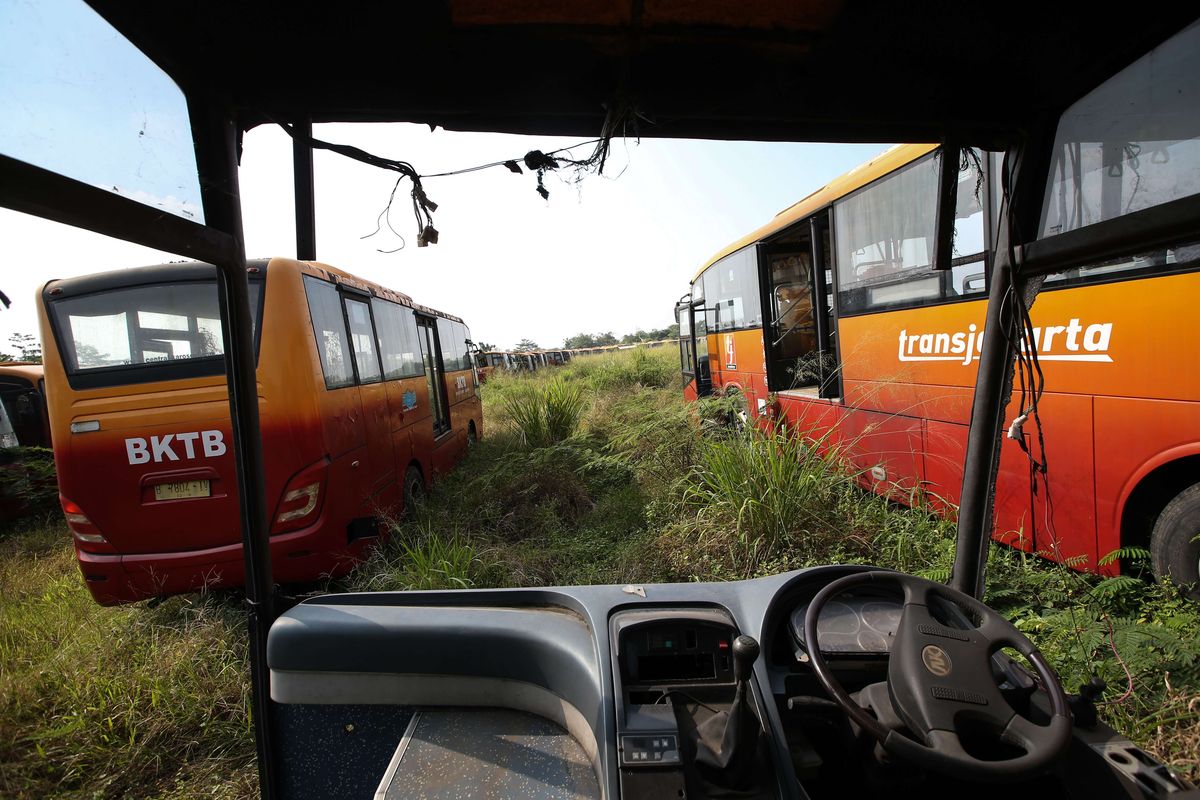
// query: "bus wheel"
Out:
[1175,541]
[472,435]
[414,489]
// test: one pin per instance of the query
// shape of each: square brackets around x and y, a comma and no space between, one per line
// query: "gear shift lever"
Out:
[729,740]
[745,653]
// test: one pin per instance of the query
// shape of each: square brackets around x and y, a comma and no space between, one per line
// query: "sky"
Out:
[611,253]
[608,253]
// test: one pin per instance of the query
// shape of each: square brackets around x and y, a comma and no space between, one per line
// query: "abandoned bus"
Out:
[365,397]
[831,318]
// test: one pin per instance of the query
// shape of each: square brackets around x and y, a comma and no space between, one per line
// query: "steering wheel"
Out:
[938,676]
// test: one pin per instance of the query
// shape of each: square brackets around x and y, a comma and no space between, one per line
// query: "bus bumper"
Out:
[301,556]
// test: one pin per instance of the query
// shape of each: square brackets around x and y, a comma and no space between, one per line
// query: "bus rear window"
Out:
[148,327]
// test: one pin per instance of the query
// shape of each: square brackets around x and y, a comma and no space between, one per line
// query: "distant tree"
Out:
[526,345]
[484,346]
[87,355]
[579,340]
[599,339]
[28,348]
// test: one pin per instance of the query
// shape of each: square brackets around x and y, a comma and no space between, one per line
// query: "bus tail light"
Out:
[301,503]
[82,527]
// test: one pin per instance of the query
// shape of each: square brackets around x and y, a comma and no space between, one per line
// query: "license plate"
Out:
[181,490]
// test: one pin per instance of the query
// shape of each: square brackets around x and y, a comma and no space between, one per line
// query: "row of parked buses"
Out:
[364,395]
[832,320]
[489,361]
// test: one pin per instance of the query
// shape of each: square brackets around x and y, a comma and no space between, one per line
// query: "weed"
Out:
[545,413]
[115,702]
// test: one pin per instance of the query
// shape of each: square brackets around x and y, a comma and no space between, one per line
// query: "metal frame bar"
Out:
[306,209]
[42,193]
[1129,234]
[216,140]
[949,157]
[830,385]
[994,379]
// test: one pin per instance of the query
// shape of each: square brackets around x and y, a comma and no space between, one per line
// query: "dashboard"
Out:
[598,661]
[634,675]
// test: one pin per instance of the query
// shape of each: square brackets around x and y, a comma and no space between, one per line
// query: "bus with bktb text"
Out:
[832,320]
[364,397]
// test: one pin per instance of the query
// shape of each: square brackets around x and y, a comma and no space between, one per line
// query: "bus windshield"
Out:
[136,328]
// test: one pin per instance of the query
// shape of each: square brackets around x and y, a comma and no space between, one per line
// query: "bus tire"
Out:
[414,489]
[472,434]
[1175,541]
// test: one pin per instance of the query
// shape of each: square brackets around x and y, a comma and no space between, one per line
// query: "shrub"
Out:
[28,483]
[545,413]
[762,488]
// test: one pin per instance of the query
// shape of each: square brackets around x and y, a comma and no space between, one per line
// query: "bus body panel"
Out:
[409,415]
[737,357]
[1129,454]
[380,471]
[112,472]
[1121,388]
[886,450]
[1125,342]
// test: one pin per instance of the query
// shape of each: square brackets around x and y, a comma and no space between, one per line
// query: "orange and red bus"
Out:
[365,397]
[832,319]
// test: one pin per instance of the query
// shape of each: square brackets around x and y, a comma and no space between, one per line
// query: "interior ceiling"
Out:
[845,70]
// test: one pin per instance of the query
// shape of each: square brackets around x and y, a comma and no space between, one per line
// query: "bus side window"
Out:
[362,336]
[398,345]
[451,345]
[885,235]
[1131,143]
[329,328]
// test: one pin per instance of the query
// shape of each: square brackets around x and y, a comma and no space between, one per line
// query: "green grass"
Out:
[632,485]
[115,702]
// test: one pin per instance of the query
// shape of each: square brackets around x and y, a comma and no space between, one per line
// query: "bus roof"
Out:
[891,159]
[196,270]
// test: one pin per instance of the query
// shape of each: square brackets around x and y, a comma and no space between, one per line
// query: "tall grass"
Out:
[759,490]
[129,702]
[545,413]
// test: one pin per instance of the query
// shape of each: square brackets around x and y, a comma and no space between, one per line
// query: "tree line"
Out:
[607,338]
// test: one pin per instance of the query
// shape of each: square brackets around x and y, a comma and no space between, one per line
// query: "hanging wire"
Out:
[1019,331]
[619,119]
[423,207]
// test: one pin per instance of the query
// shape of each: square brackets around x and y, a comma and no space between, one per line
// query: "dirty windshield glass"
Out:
[80,100]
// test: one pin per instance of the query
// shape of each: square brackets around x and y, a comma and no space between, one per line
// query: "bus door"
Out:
[800,340]
[826,314]
[432,354]
[693,345]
